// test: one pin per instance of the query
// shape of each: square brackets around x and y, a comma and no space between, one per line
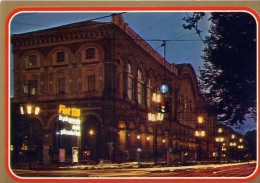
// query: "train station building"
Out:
[94,84]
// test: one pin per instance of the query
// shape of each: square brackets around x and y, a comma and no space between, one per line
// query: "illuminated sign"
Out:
[70,117]
[73,112]
[164,89]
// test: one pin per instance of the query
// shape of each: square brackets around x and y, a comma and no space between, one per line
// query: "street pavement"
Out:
[243,170]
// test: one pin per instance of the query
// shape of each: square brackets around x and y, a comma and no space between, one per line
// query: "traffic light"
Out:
[163,108]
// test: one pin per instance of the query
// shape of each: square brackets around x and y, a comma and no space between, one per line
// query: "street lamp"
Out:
[219,140]
[29,109]
[240,147]
[155,117]
[233,145]
[200,134]
[91,132]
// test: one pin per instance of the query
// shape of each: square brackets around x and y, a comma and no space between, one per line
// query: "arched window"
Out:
[130,82]
[140,87]
[91,81]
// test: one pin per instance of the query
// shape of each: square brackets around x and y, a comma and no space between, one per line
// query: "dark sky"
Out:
[182,46]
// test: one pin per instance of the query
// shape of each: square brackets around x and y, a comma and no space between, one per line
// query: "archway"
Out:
[91,138]
[31,140]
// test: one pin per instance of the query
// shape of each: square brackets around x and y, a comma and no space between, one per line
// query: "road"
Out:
[225,170]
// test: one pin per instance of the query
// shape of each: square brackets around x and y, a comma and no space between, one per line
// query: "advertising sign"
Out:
[70,117]
[75,153]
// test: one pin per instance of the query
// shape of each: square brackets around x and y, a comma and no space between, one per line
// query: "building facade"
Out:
[107,73]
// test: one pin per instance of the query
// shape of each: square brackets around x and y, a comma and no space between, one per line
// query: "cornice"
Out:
[57,36]
[82,32]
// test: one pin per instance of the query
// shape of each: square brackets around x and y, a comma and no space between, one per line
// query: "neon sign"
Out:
[71,119]
[73,112]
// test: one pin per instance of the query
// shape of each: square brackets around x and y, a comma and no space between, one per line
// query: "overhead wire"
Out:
[106,16]
[157,23]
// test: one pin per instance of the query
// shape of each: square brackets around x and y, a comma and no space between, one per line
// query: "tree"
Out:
[250,138]
[228,75]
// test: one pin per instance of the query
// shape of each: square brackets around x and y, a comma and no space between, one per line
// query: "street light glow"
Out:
[29,109]
[200,133]
[91,132]
[219,139]
[200,119]
[155,117]
[21,110]
[37,110]
[232,143]
[220,130]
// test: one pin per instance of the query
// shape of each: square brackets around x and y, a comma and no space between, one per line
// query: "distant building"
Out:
[230,144]
[106,74]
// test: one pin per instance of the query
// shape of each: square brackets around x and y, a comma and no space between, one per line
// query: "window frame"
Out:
[140,86]
[60,57]
[90,53]
[130,82]
[32,60]
[149,92]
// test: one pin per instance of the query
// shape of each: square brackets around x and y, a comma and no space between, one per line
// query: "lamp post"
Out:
[240,147]
[233,144]
[200,134]
[219,140]
[155,117]
[29,109]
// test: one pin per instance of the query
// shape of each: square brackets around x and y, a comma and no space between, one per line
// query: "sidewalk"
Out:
[38,166]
